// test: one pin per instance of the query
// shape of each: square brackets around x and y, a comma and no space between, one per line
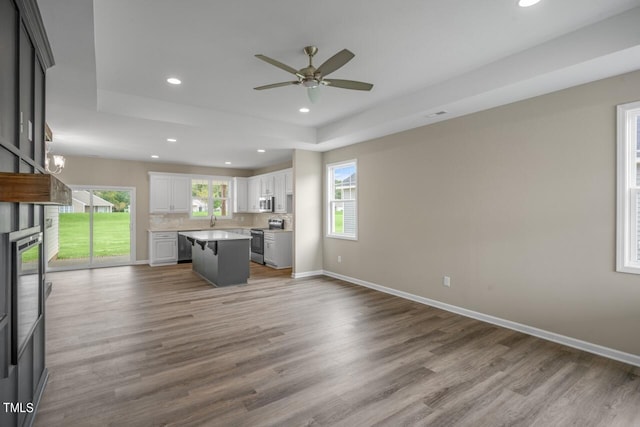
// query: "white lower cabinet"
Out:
[278,248]
[163,247]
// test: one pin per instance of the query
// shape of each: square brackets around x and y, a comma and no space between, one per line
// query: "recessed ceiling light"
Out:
[155,156]
[171,140]
[261,150]
[173,81]
[304,110]
[227,163]
[527,3]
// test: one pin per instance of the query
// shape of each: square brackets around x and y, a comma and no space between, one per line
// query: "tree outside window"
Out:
[210,196]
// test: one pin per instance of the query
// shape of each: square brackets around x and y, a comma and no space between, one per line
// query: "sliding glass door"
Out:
[96,230]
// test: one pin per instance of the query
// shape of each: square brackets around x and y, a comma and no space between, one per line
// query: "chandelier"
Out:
[58,160]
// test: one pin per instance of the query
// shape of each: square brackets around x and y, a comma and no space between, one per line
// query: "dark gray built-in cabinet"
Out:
[25,55]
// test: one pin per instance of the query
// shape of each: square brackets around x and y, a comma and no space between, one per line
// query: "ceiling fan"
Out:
[312,78]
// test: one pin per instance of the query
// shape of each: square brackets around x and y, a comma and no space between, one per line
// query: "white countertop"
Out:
[197,228]
[214,235]
[225,228]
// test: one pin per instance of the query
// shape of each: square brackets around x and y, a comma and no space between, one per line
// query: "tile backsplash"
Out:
[261,220]
[177,221]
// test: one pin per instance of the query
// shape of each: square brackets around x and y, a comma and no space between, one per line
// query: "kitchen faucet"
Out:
[212,223]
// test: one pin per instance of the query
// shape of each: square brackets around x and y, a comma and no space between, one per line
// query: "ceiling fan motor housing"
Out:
[310,82]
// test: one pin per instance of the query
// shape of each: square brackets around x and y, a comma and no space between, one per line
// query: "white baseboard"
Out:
[307,274]
[141,262]
[610,353]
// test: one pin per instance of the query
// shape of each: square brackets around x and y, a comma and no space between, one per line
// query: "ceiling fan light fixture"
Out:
[310,83]
[313,93]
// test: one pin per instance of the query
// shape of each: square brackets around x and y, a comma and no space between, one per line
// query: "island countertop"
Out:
[213,235]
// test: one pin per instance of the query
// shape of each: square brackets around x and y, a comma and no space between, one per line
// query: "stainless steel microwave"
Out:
[266,204]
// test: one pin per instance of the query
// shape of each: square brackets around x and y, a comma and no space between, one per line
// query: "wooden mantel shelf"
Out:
[42,189]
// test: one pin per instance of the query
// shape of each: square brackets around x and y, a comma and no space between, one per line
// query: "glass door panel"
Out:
[94,231]
[111,227]
[70,247]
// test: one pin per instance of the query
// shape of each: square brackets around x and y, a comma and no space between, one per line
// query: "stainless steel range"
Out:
[257,239]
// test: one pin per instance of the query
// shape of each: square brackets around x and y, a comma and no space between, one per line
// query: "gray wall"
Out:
[516,204]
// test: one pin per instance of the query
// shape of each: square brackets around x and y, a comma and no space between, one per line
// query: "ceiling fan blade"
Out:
[279,65]
[271,86]
[348,84]
[335,62]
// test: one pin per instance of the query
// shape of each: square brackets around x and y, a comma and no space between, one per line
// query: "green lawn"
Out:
[110,235]
[337,225]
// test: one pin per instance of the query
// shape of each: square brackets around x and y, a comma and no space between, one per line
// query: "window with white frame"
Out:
[211,196]
[628,209]
[342,212]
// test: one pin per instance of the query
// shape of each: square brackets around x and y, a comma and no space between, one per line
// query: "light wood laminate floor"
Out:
[141,346]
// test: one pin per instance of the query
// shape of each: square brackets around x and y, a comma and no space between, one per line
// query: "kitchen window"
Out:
[210,196]
[342,215]
[628,209]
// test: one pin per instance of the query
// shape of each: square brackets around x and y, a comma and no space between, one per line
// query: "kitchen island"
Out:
[220,257]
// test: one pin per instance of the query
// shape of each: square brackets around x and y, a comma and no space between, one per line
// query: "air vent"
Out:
[436,114]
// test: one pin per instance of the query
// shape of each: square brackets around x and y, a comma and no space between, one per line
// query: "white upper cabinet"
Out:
[247,191]
[253,194]
[181,193]
[288,181]
[280,195]
[267,185]
[169,193]
[240,196]
[159,193]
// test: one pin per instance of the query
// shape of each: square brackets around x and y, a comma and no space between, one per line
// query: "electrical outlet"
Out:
[446,281]
[339,258]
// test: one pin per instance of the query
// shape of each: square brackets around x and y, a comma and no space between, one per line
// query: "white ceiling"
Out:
[107,94]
